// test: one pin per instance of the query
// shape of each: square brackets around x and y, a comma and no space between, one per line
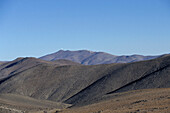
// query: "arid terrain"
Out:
[143,101]
[35,85]
[11,103]
[138,101]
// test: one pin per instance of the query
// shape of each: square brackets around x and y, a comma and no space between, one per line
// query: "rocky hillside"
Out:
[81,85]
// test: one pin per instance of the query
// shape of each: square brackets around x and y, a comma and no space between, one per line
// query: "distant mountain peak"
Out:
[87,57]
[75,51]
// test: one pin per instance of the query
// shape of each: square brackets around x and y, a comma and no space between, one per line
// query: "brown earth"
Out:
[136,101]
[11,103]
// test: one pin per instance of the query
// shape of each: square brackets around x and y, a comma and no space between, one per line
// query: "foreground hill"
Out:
[142,101]
[147,100]
[81,85]
[11,103]
[92,58]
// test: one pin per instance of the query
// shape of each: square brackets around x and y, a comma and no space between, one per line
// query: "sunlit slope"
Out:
[12,103]
[81,85]
[150,101]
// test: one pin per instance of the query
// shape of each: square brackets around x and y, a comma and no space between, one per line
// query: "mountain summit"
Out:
[93,58]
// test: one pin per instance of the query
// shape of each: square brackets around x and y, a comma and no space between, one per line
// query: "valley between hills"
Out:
[85,82]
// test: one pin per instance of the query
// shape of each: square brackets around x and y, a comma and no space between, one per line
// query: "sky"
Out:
[120,27]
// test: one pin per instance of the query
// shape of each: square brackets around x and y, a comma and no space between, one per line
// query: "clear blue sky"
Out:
[39,27]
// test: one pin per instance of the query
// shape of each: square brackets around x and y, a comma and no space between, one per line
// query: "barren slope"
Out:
[21,64]
[18,65]
[57,83]
[139,75]
[81,85]
[143,101]
[11,103]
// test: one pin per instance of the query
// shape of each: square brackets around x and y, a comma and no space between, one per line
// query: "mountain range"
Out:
[32,84]
[93,58]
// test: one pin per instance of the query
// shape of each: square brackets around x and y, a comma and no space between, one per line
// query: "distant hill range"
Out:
[92,58]
[32,84]
[81,85]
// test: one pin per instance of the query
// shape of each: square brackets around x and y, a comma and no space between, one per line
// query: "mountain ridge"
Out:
[93,58]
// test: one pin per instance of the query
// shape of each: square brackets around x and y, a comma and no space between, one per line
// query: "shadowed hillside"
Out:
[20,64]
[93,58]
[9,69]
[81,85]
[132,76]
